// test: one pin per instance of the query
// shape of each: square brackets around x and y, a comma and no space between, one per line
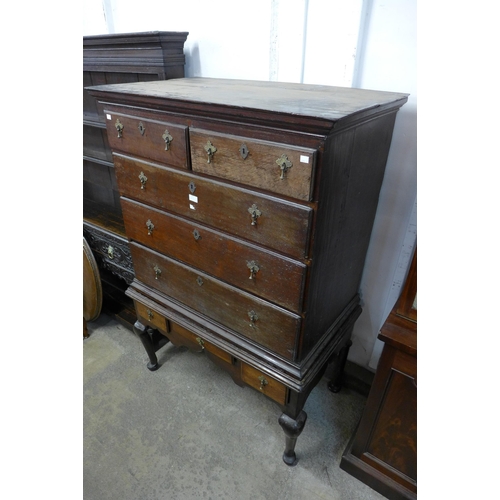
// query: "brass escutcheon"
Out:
[244,151]
[254,269]
[150,226]
[150,314]
[167,138]
[199,281]
[119,127]
[284,164]
[253,318]
[143,180]
[200,342]
[157,271]
[192,187]
[263,382]
[255,213]
[210,149]
[196,234]
[142,128]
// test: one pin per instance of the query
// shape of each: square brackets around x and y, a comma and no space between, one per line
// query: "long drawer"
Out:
[270,326]
[158,140]
[280,168]
[266,274]
[278,224]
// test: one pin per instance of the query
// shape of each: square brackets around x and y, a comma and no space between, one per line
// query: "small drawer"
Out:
[151,318]
[181,336]
[264,383]
[259,271]
[157,140]
[279,168]
[258,320]
[270,221]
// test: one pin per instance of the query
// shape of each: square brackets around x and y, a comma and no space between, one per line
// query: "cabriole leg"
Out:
[292,429]
[144,336]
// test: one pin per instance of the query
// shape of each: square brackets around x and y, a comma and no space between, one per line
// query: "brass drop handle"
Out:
[263,382]
[167,138]
[143,180]
[111,252]
[255,213]
[253,318]
[150,314]
[210,149]
[150,227]
[284,164]
[254,269]
[201,343]
[157,271]
[119,127]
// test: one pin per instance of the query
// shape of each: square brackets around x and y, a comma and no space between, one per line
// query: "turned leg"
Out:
[338,368]
[292,429]
[144,334]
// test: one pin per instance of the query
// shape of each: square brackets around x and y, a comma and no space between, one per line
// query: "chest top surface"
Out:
[320,102]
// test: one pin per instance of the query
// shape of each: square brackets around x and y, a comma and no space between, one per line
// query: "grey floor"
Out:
[188,431]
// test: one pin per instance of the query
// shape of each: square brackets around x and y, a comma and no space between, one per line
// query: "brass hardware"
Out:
[244,151]
[157,271]
[254,269]
[143,180]
[263,382]
[255,213]
[111,252]
[192,187]
[199,281]
[142,128]
[196,234]
[119,127]
[150,226]
[150,314]
[167,138]
[210,149]
[253,318]
[201,343]
[285,164]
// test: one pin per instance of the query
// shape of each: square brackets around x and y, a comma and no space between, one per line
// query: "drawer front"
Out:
[268,325]
[251,268]
[280,168]
[180,336]
[156,140]
[151,317]
[264,383]
[281,225]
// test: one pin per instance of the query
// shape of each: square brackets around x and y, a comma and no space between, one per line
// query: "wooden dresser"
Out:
[383,451]
[116,58]
[249,207]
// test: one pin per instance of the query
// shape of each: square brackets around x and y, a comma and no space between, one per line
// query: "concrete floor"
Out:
[188,431]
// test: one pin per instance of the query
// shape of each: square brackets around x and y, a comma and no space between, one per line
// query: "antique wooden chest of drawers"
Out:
[249,208]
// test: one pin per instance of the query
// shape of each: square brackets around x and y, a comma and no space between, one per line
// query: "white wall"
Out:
[366,44]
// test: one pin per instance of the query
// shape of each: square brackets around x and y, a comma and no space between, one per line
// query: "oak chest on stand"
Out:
[249,208]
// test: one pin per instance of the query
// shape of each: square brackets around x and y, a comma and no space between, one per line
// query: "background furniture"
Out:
[92,290]
[249,208]
[383,451]
[116,58]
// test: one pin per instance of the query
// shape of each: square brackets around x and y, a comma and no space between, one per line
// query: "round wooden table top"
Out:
[92,288]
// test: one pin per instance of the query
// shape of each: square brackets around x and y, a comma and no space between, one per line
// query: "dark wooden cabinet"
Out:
[383,451]
[130,57]
[249,208]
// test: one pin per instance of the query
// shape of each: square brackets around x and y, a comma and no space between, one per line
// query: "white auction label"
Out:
[193,198]
[304,159]
[108,117]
